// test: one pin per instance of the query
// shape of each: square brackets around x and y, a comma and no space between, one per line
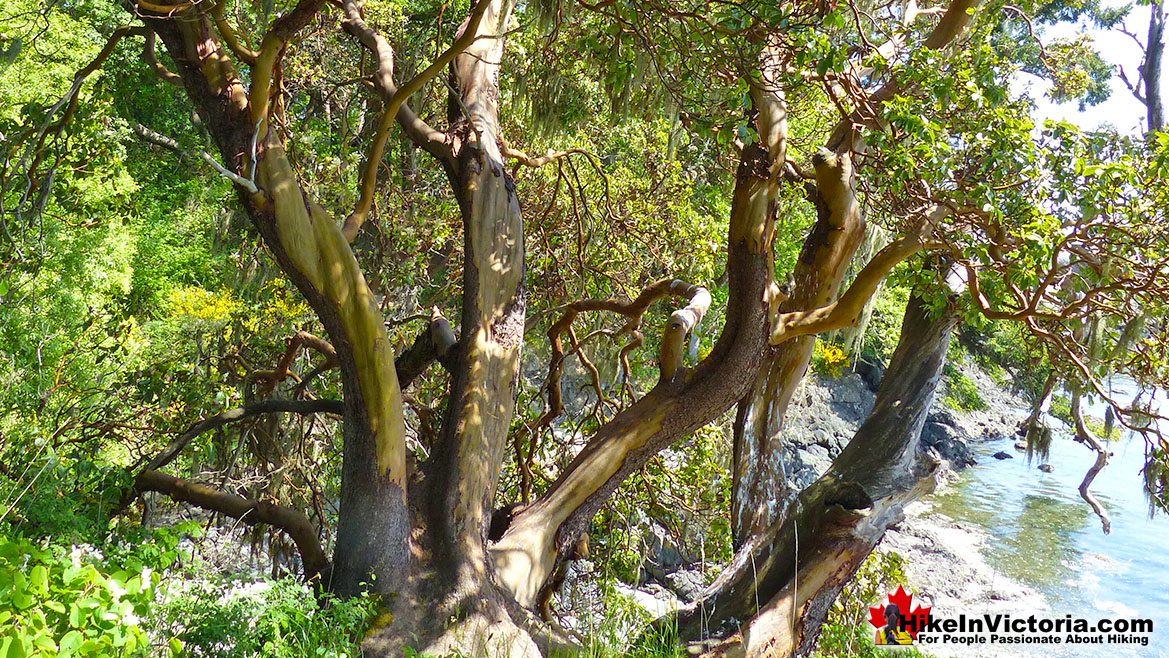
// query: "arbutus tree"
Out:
[922,135]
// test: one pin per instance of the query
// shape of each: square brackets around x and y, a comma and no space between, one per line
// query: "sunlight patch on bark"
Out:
[317,248]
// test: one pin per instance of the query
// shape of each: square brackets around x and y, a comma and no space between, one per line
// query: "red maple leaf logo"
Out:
[910,622]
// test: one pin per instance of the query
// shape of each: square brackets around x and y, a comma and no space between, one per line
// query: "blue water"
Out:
[1044,535]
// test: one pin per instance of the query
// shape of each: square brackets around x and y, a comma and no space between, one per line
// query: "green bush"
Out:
[58,601]
[884,329]
[230,618]
[1061,408]
[961,393]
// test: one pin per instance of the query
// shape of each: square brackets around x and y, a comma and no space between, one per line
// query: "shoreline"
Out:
[945,567]
[944,562]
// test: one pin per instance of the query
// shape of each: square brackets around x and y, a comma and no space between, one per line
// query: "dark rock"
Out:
[950,443]
[944,416]
[661,550]
[1003,455]
[871,370]
[687,584]
[1046,468]
[1020,445]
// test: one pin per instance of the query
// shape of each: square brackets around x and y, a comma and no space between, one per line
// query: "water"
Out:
[1044,535]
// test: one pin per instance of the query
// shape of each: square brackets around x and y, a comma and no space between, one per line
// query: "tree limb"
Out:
[168,143]
[434,343]
[846,310]
[369,178]
[420,132]
[1088,438]
[248,410]
[251,512]
[229,35]
[151,58]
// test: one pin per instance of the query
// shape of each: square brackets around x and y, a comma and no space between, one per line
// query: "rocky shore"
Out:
[945,568]
[942,557]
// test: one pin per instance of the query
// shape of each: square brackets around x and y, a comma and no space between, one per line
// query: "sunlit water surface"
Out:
[1044,535]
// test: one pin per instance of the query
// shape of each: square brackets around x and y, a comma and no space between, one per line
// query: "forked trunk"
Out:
[307,243]
[760,489]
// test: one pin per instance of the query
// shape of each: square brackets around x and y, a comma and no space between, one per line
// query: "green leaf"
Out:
[15,648]
[824,65]
[71,642]
[45,643]
[22,600]
[176,647]
[39,579]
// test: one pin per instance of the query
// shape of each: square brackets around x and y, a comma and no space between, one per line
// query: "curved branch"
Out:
[369,178]
[151,58]
[681,323]
[251,512]
[278,36]
[420,132]
[165,10]
[633,310]
[537,161]
[295,342]
[239,413]
[1085,436]
[846,310]
[229,35]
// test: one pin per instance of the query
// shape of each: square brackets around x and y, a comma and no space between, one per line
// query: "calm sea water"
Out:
[1044,535]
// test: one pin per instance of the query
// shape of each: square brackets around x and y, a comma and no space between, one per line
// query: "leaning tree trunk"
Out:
[540,538]
[785,579]
[759,487]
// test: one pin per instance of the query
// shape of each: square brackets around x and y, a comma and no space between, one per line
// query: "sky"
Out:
[1121,110]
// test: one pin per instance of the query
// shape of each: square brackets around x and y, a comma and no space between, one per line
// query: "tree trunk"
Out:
[467,459]
[540,538]
[1151,71]
[760,490]
[373,525]
[785,579]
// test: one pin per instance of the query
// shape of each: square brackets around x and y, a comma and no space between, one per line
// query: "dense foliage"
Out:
[136,296]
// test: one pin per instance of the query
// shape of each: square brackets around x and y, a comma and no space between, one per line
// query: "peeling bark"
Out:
[373,526]
[469,452]
[760,489]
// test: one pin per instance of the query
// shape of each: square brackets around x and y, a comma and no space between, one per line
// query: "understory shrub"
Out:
[243,618]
